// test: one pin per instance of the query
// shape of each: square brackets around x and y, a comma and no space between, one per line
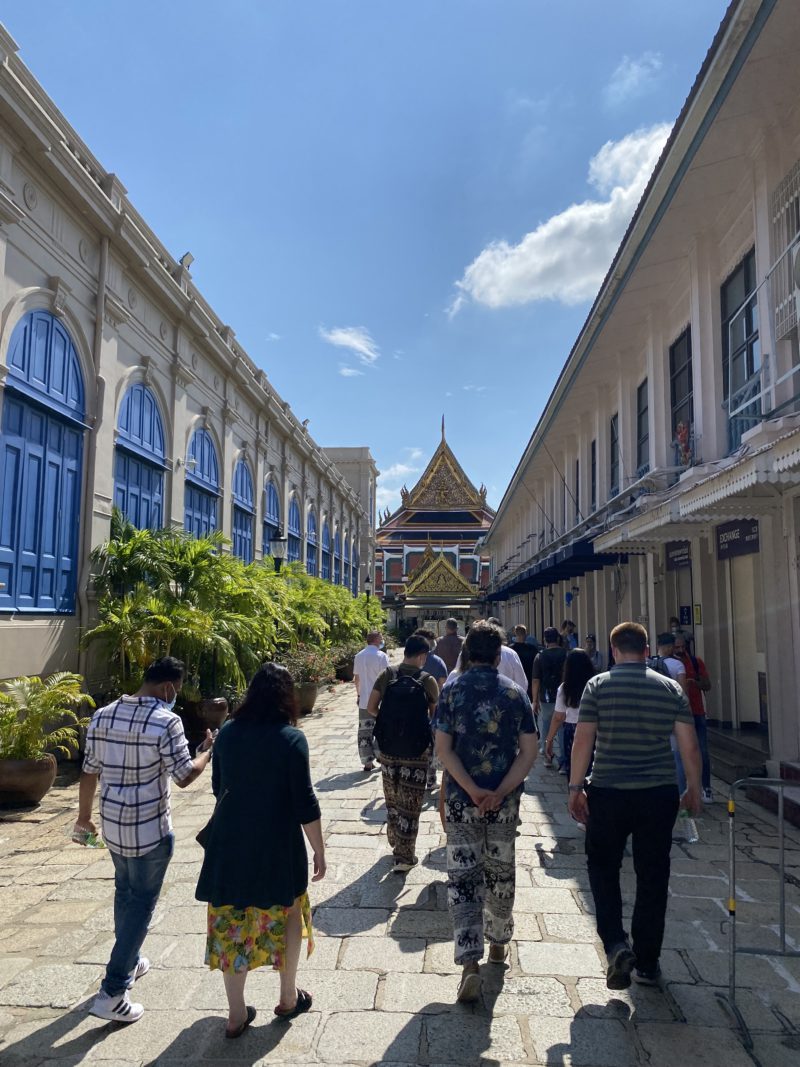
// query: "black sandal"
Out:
[304,1002]
[251,1014]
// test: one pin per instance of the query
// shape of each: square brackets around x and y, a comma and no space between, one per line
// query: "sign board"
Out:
[698,614]
[737,538]
[678,555]
[685,614]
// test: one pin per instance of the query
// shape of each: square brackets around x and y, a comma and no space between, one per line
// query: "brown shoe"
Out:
[469,988]
[498,953]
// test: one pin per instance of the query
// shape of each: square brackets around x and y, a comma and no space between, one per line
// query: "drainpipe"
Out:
[91,453]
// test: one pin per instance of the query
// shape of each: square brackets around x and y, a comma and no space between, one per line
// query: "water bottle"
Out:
[691,834]
[86,837]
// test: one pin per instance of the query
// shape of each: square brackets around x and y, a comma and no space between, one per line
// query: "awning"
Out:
[572,561]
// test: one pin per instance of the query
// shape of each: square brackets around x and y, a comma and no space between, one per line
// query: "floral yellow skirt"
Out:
[241,939]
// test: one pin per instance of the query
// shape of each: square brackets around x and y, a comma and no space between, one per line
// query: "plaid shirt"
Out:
[135,744]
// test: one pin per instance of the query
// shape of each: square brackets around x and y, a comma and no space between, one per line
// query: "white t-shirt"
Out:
[674,666]
[565,709]
[510,667]
[368,664]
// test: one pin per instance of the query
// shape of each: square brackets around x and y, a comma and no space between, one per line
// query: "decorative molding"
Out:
[147,370]
[10,213]
[133,299]
[30,195]
[114,311]
[163,330]
[84,250]
[61,293]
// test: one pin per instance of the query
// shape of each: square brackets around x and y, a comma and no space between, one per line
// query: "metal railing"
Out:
[734,949]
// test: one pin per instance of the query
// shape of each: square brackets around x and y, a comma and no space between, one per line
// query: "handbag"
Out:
[203,834]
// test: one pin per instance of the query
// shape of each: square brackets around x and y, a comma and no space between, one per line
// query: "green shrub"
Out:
[37,717]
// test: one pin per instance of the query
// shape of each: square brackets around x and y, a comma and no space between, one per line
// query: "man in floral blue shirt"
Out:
[486,740]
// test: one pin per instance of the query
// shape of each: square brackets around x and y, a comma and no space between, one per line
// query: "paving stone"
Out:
[181,920]
[668,1045]
[579,961]
[348,841]
[425,993]
[378,1037]
[529,994]
[349,922]
[16,899]
[81,890]
[61,943]
[777,1051]
[527,927]
[385,954]
[570,928]
[53,985]
[642,1003]
[751,971]
[585,1041]
[554,901]
[67,911]
[186,951]
[10,968]
[439,958]
[46,874]
[412,922]
[703,1006]
[54,1040]
[155,947]
[394,893]
[461,1038]
[336,894]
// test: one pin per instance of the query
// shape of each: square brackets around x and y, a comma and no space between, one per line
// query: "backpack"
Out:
[403,727]
[657,664]
[551,665]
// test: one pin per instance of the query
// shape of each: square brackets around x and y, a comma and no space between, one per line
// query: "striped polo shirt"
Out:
[635,710]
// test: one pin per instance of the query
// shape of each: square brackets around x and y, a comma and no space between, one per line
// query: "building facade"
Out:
[120,386]
[428,565]
[663,477]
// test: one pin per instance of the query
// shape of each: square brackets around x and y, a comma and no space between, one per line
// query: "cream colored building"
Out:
[663,477]
[120,385]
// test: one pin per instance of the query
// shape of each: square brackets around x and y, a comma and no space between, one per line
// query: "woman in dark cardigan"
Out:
[255,871]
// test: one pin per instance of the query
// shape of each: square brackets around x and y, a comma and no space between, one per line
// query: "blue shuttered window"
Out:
[272,518]
[326,552]
[201,491]
[346,578]
[354,583]
[139,459]
[337,558]
[41,453]
[311,543]
[243,511]
[293,550]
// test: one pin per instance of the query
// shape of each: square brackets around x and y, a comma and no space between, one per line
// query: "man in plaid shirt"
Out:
[134,746]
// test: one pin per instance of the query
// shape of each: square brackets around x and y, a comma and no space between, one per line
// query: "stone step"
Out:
[730,766]
[790,771]
[767,797]
[752,747]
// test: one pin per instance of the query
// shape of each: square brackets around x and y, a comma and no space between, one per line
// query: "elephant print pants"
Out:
[404,791]
[480,884]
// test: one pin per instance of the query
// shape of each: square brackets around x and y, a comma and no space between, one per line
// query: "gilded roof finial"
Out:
[443,427]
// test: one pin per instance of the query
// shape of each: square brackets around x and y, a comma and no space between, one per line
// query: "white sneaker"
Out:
[141,969]
[708,796]
[116,1009]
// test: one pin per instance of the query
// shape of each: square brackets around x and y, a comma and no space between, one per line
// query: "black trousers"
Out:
[647,816]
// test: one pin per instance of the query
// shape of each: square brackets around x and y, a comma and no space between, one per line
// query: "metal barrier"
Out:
[753,950]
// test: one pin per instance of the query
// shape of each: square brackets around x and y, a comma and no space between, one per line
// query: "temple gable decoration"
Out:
[444,485]
[436,576]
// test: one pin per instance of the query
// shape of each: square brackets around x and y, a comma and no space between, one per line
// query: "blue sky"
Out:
[403,209]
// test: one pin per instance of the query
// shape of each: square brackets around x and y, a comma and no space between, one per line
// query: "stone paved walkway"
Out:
[382,975]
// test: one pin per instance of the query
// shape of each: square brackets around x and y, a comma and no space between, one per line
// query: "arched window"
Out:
[201,491]
[139,459]
[354,585]
[337,558]
[243,510]
[311,543]
[272,518]
[295,532]
[346,577]
[41,455]
[326,551]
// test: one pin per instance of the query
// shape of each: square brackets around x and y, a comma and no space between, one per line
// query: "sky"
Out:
[403,209]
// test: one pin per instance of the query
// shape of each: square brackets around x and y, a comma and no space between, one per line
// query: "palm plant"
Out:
[29,708]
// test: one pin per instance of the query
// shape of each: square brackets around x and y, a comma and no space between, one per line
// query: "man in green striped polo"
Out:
[627,716]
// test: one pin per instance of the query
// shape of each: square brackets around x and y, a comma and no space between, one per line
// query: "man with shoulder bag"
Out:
[402,701]
[548,670]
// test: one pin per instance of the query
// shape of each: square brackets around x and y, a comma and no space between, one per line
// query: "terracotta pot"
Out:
[25,781]
[306,696]
[214,712]
[345,672]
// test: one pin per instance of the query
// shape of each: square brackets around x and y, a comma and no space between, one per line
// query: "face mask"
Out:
[170,704]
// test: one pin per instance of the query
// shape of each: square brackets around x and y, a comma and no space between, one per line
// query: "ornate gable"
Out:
[438,577]
[444,484]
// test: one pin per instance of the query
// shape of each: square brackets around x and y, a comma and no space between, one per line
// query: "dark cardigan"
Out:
[255,855]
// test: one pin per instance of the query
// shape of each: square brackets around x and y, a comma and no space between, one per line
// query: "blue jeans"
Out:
[137,884]
[545,718]
[702,739]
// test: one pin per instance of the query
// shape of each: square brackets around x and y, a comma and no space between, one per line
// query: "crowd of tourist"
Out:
[629,741]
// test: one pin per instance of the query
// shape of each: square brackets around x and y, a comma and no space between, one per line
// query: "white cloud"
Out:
[391,480]
[349,372]
[273,337]
[567,256]
[632,78]
[356,339]
[474,388]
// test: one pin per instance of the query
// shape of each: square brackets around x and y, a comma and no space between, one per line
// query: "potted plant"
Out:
[37,719]
[343,656]
[310,668]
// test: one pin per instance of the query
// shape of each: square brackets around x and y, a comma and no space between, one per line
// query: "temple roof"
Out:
[436,576]
[443,487]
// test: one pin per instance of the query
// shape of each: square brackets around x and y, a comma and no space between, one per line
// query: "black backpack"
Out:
[403,727]
[656,663]
[551,664]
